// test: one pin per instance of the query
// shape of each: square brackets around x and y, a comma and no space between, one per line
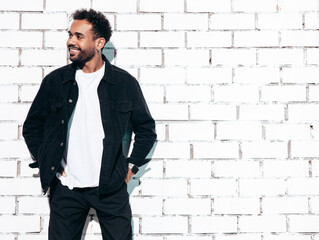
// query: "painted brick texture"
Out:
[234,88]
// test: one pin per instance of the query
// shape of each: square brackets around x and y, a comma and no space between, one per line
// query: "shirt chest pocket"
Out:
[121,114]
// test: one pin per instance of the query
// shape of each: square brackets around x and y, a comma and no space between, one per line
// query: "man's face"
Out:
[80,43]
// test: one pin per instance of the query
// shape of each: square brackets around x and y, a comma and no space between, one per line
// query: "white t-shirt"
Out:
[83,152]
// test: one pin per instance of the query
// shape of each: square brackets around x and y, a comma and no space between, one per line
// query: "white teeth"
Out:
[73,50]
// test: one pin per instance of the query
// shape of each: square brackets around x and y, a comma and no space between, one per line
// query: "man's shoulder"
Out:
[60,71]
[120,73]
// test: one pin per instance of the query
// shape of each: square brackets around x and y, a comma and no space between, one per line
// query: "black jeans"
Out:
[69,210]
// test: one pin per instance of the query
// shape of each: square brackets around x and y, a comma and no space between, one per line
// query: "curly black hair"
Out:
[101,26]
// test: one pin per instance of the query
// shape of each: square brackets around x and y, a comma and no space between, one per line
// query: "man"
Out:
[74,131]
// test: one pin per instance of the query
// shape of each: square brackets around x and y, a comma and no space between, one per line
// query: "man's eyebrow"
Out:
[76,33]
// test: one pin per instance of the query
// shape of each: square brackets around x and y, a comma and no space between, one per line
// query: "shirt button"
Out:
[74,83]
[52,168]
[61,144]
[62,121]
[70,100]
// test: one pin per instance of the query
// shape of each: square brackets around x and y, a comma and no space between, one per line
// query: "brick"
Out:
[153,93]
[164,224]
[299,38]
[167,75]
[43,57]
[255,6]
[138,22]
[238,131]
[8,237]
[28,92]
[315,168]
[188,169]
[230,57]
[146,206]
[209,39]
[236,93]
[311,20]
[7,205]
[274,57]
[259,75]
[12,57]
[209,75]
[19,224]
[26,186]
[279,21]
[208,6]
[262,112]
[162,39]
[284,205]
[236,169]
[238,236]
[185,206]
[262,223]
[26,171]
[160,131]
[188,93]
[162,6]
[22,5]
[124,39]
[229,21]
[115,5]
[164,187]
[215,224]
[39,205]
[213,112]
[313,93]
[135,57]
[304,149]
[287,131]
[17,112]
[291,236]
[9,93]
[21,39]
[191,131]
[44,21]
[264,149]
[172,150]
[185,57]
[185,21]
[8,168]
[314,204]
[9,20]
[216,150]
[214,187]
[304,223]
[297,6]
[169,111]
[12,149]
[283,93]
[187,238]
[55,39]
[288,168]
[151,169]
[148,237]
[258,187]
[20,75]
[302,112]
[300,75]
[303,186]
[9,130]
[67,6]
[256,38]
[236,205]
[313,56]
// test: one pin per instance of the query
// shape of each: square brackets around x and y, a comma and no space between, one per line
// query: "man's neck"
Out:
[93,65]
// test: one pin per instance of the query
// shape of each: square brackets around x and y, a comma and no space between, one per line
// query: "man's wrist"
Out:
[133,168]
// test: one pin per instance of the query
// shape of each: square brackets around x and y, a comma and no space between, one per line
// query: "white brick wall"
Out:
[234,88]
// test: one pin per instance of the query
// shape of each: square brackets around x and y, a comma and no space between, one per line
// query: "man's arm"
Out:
[33,126]
[143,128]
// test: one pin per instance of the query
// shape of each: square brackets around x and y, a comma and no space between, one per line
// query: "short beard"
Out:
[84,57]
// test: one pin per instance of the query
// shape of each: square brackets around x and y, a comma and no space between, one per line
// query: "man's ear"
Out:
[100,43]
